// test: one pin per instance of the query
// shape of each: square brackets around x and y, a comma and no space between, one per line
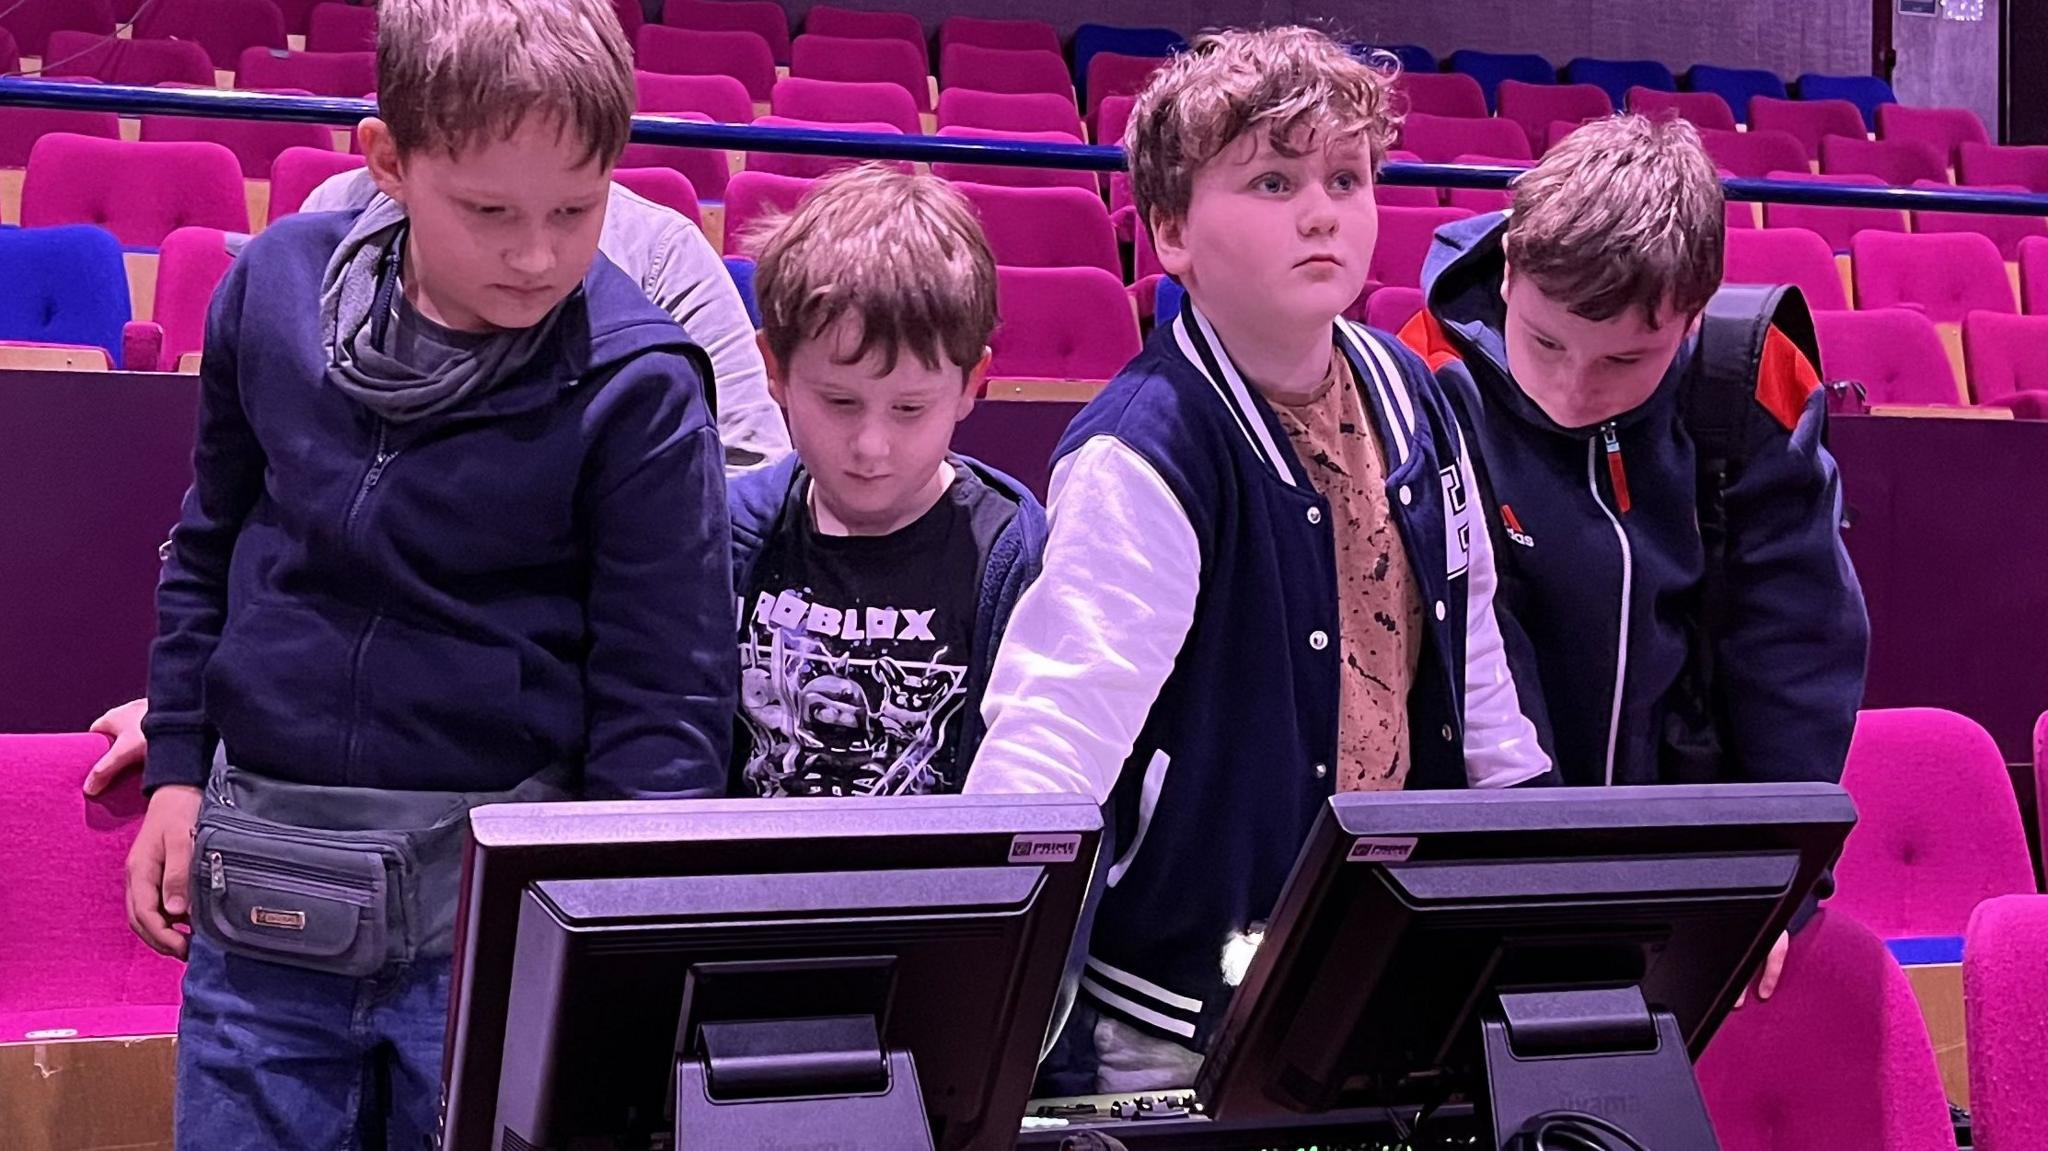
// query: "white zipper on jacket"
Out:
[1593,450]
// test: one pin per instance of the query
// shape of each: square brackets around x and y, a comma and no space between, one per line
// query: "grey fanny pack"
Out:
[343,880]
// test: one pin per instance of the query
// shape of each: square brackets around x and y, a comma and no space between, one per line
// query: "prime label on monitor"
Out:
[1390,849]
[1065,848]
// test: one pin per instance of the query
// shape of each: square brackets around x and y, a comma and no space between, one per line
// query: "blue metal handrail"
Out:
[135,101]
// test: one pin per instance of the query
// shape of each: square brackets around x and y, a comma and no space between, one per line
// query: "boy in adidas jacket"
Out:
[1691,621]
[1265,580]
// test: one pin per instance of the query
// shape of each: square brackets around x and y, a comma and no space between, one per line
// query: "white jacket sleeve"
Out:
[1501,747]
[1092,641]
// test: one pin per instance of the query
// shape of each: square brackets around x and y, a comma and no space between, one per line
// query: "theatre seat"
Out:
[70,962]
[1838,1057]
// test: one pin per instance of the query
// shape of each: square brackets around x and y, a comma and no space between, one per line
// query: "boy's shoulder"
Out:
[1160,392]
[754,500]
[296,243]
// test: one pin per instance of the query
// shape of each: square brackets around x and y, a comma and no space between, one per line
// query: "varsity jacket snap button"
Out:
[1448,734]
[1318,640]
[1407,497]
[1322,769]
[1315,515]
[1439,611]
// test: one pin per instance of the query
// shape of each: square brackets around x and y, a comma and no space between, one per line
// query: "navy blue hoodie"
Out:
[1605,578]
[536,578]
[758,500]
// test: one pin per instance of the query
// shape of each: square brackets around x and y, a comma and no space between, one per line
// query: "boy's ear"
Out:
[380,151]
[1169,240]
[774,370]
[976,385]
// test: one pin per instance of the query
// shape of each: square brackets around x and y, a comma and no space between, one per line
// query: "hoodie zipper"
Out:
[380,459]
[1619,478]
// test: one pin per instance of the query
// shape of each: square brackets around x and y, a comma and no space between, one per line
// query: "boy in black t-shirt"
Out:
[874,569]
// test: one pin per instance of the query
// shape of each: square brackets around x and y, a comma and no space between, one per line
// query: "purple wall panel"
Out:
[92,466]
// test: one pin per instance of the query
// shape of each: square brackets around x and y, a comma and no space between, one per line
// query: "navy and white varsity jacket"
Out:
[1178,656]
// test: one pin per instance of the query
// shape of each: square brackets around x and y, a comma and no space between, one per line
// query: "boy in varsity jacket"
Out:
[1265,580]
[1691,609]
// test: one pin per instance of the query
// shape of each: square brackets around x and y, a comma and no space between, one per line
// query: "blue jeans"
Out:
[271,1056]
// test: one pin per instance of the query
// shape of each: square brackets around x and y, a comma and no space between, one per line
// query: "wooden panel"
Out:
[56,1095]
[141,284]
[1847,268]
[53,358]
[1952,340]
[714,224]
[188,364]
[1938,987]
[256,193]
[1057,391]
[10,196]
[1936,412]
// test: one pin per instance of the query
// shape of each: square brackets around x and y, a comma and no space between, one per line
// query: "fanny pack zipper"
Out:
[297,879]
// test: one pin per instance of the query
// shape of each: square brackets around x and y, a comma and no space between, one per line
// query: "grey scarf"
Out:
[395,391]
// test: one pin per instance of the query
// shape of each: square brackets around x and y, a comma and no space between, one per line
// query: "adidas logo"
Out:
[1514,526]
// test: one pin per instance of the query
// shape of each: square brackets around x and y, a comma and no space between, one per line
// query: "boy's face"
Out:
[1584,372]
[872,442]
[1275,241]
[501,233]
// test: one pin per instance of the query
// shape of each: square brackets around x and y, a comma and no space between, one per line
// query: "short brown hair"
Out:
[1291,82]
[901,254]
[453,72]
[1625,212]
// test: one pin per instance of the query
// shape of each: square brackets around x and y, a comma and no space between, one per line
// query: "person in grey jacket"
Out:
[666,254]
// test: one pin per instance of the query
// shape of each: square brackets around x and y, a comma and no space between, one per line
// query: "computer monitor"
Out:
[1534,952]
[847,972]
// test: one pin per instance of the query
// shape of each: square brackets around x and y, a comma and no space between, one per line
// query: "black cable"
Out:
[43,69]
[1586,1130]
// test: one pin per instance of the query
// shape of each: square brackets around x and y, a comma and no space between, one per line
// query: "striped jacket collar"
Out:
[1372,364]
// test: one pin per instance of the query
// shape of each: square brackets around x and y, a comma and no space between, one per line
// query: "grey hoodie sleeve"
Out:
[683,275]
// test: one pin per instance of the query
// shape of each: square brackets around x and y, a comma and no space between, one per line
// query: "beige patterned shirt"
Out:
[1379,613]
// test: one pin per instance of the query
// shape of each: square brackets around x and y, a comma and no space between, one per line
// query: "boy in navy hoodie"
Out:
[875,570]
[457,535]
[1680,572]
[1264,580]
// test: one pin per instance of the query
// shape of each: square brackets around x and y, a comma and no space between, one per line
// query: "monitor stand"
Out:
[1599,1052]
[798,1083]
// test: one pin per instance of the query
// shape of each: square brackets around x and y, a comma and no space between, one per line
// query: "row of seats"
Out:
[1938,318]
[746,38]
[1844,1012]
[56,31]
[70,304]
[1943,279]
[1734,88]
[31,21]
[82,55]
[1918,141]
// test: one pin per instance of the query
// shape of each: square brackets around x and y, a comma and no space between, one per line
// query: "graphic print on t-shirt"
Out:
[855,650]
[846,700]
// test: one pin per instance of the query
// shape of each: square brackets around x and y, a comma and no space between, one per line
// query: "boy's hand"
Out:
[124,726]
[1774,968]
[160,868]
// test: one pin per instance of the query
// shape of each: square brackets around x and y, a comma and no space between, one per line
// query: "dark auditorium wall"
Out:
[1950,63]
[1790,36]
